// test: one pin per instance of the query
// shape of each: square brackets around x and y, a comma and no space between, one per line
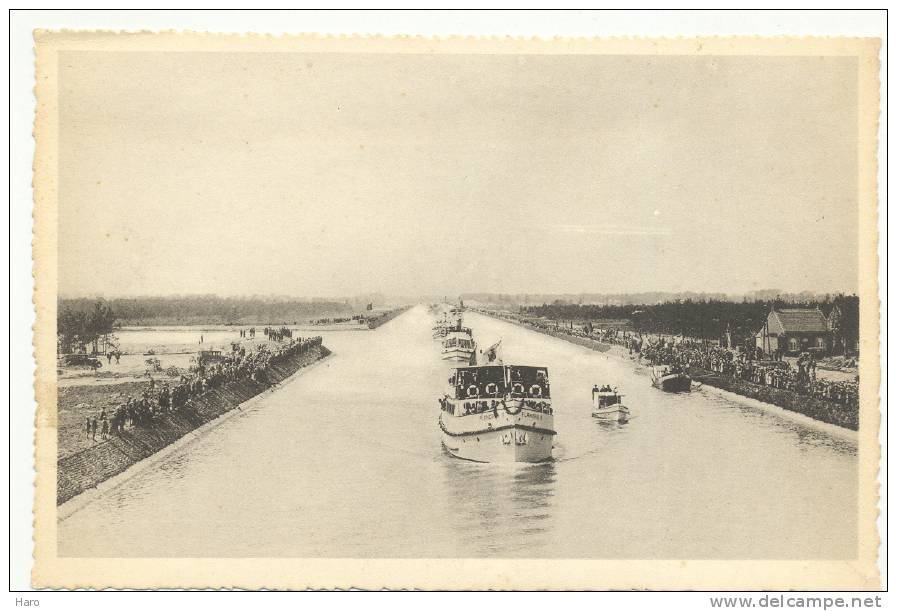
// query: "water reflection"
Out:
[500,510]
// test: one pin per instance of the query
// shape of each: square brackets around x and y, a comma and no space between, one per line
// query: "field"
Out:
[83,393]
[77,403]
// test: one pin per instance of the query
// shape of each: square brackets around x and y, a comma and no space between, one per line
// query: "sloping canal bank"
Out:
[817,409]
[88,468]
[385,317]
[812,407]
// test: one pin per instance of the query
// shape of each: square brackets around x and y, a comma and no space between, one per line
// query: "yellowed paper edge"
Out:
[51,571]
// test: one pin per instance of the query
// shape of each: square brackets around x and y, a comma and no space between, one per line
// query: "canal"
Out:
[344,460]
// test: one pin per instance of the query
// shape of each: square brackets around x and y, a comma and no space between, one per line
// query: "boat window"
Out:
[488,382]
[530,376]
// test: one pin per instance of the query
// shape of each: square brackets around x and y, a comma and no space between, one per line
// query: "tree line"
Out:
[87,325]
[210,309]
[78,329]
[705,318]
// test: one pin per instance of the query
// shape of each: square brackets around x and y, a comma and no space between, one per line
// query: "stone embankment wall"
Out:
[818,409]
[84,470]
[384,318]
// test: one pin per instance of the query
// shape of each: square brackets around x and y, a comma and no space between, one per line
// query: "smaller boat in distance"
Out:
[670,378]
[607,404]
[440,329]
[458,344]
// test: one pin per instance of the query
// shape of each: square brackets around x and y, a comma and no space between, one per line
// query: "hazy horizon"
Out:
[329,175]
[761,294]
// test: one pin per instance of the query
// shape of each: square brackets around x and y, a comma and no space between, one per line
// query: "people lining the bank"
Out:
[751,365]
[240,364]
[278,335]
[748,367]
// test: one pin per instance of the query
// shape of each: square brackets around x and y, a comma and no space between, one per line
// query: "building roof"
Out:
[797,320]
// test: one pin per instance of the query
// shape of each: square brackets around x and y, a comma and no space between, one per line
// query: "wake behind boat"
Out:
[498,413]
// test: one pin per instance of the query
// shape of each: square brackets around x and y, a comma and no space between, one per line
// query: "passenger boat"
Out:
[444,325]
[670,379]
[607,404]
[498,413]
[440,330]
[458,345]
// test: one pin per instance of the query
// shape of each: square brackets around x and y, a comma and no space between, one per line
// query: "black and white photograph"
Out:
[411,313]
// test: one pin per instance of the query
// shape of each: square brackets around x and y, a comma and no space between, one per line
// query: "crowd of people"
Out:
[278,335]
[157,400]
[741,364]
[749,366]
[359,318]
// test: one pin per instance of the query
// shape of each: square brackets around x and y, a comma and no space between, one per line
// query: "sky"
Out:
[327,175]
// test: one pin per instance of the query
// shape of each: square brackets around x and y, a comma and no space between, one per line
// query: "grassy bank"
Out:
[81,469]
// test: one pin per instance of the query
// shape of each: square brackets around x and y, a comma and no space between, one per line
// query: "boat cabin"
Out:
[605,396]
[457,340]
[498,381]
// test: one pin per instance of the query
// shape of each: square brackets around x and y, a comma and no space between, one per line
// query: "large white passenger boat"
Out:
[498,413]
[458,344]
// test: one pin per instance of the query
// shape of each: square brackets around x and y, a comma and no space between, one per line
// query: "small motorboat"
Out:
[670,379]
[607,404]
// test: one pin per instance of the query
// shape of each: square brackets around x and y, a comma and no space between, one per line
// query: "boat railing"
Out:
[470,407]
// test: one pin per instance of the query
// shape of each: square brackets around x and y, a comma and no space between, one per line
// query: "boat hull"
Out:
[526,437]
[618,413]
[674,383]
[457,354]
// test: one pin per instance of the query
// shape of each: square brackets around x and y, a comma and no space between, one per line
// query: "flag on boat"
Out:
[493,353]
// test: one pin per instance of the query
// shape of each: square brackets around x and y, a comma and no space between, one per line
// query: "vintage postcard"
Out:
[412,313]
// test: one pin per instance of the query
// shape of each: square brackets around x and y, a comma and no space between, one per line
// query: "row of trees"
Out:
[78,329]
[645,297]
[707,319]
[212,309]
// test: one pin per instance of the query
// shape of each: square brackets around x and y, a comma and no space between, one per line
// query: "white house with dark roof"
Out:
[795,330]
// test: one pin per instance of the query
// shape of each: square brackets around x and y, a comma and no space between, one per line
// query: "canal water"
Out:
[344,460]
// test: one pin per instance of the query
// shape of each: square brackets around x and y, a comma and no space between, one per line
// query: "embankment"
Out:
[591,344]
[812,407]
[84,470]
[385,317]
[817,409]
